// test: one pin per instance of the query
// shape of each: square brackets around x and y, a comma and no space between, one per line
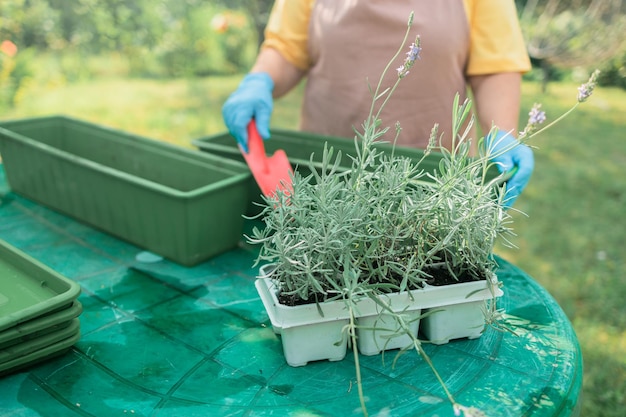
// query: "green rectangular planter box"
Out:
[179,203]
[300,147]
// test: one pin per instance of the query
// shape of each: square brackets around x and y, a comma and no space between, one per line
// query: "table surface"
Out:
[160,339]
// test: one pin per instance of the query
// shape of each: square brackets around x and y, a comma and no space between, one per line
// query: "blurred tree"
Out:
[574,33]
[99,25]
[11,16]
[27,23]
[258,12]
[614,73]
[155,37]
[206,38]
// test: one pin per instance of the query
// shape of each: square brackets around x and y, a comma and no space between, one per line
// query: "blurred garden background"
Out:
[163,68]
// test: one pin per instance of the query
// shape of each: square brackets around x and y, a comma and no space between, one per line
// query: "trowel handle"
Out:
[256,148]
[255,141]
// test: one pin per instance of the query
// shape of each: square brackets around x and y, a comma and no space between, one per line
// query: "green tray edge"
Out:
[33,345]
[66,290]
[32,328]
[39,356]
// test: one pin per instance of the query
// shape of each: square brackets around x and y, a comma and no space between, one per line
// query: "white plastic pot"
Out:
[313,332]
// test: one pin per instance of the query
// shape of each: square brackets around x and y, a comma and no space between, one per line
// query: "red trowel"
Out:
[270,172]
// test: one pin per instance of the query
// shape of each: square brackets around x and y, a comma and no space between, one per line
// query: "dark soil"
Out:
[440,277]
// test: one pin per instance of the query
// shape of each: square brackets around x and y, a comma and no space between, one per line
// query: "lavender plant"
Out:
[388,225]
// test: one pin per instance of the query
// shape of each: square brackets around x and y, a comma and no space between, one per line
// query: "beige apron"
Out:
[351,41]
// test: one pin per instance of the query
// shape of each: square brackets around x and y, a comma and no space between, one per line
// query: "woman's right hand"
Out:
[252,100]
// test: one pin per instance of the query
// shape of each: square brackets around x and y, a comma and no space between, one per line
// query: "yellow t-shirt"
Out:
[496,41]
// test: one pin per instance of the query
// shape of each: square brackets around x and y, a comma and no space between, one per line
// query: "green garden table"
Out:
[160,339]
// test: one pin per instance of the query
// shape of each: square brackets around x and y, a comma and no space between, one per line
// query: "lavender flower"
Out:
[411,57]
[433,140]
[535,118]
[585,90]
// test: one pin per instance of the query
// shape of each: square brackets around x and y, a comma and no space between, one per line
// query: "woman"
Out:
[340,46]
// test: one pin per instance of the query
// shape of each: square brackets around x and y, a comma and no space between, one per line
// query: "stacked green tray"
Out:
[39,311]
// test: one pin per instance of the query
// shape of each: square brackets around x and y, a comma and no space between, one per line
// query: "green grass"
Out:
[572,239]
[176,111]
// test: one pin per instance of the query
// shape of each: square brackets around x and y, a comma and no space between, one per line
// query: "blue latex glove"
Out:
[252,99]
[520,156]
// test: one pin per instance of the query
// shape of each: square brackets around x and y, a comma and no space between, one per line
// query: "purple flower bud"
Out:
[402,71]
[411,57]
[585,90]
[536,116]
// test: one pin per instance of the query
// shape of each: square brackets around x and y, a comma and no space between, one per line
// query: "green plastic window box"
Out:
[302,148]
[179,203]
